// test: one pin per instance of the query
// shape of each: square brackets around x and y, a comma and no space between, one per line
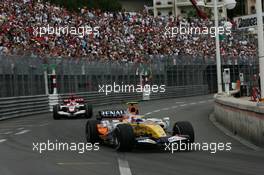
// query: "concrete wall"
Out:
[241,117]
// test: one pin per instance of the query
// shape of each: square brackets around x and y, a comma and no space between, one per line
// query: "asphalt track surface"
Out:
[18,135]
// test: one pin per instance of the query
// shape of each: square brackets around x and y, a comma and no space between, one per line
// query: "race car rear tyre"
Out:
[124,137]
[88,111]
[56,116]
[184,128]
[91,132]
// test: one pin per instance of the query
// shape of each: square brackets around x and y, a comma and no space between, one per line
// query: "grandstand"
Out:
[123,36]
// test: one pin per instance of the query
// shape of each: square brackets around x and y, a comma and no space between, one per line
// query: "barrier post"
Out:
[54,79]
[260,45]
[45,66]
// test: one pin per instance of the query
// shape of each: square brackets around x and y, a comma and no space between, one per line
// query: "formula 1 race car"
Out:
[125,129]
[72,107]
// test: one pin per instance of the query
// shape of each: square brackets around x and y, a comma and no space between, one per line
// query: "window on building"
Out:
[252,9]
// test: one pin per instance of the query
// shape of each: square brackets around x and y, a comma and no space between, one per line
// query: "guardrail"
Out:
[99,99]
[31,105]
[12,107]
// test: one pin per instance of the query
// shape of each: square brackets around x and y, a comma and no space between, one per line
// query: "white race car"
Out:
[72,107]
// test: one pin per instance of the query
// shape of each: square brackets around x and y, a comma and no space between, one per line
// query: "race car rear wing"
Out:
[78,100]
[111,114]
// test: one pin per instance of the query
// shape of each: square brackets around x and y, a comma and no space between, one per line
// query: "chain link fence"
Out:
[24,76]
[21,76]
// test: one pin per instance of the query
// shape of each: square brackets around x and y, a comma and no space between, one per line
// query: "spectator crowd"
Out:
[122,36]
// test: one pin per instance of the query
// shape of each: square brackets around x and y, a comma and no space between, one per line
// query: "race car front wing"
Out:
[81,112]
[161,141]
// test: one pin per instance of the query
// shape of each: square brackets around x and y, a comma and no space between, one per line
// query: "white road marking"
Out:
[156,111]
[179,102]
[5,129]
[9,132]
[83,163]
[22,132]
[182,105]
[15,126]
[2,140]
[45,124]
[124,167]
[20,128]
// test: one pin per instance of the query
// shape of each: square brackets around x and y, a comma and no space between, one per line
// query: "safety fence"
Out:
[25,76]
[21,76]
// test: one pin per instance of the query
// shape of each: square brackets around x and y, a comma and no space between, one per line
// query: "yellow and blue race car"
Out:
[124,129]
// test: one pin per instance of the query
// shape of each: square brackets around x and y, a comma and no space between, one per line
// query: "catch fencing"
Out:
[21,76]
[24,76]
[23,90]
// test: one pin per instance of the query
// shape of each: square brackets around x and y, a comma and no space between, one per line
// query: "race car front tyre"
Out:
[184,128]
[124,138]
[88,111]
[56,116]
[91,132]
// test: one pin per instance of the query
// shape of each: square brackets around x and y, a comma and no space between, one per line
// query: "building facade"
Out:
[181,7]
[184,7]
[250,6]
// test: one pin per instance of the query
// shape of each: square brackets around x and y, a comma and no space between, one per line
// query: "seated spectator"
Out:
[122,36]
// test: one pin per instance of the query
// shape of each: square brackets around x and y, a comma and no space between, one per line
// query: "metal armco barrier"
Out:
[23,106]
[99,99]
[31,105]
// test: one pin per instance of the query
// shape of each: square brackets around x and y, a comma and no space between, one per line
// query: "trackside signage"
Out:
[247,21]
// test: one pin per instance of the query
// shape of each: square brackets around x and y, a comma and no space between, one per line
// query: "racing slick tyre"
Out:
[56,116]
[184,128]
[91,132]
[124,138]
[88,111]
